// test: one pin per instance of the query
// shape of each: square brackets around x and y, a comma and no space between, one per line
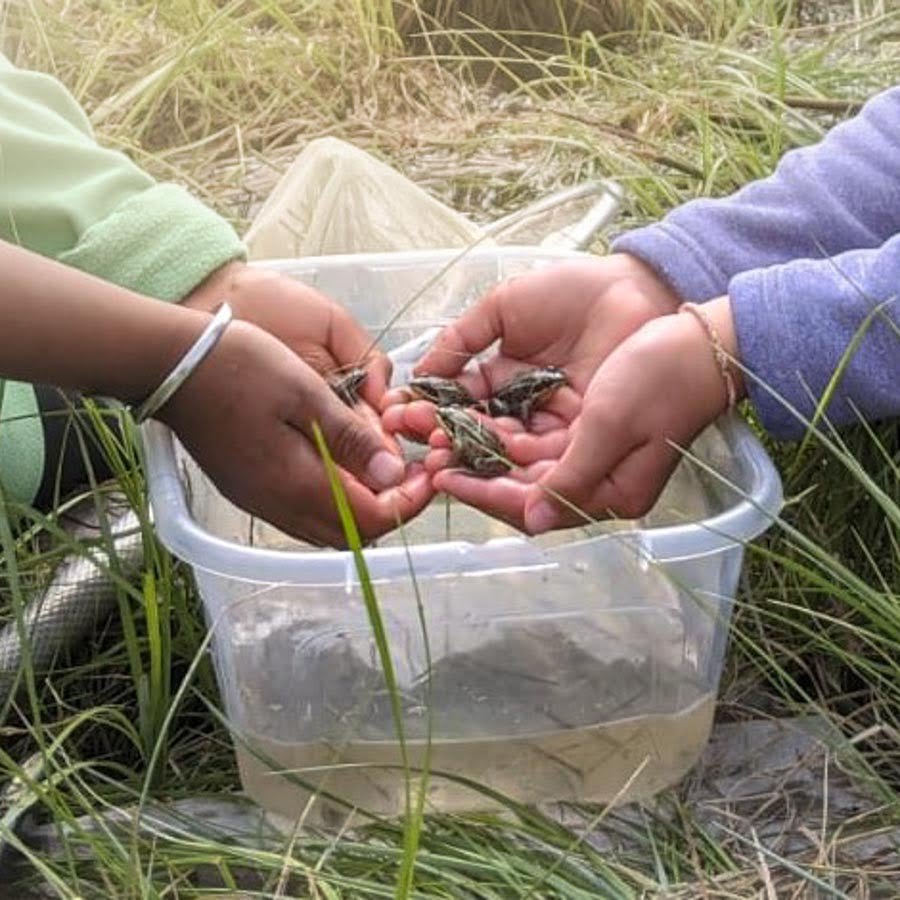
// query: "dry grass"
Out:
[222,96]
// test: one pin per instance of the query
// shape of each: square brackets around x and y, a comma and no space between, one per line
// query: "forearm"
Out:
[840,194]
[63,327]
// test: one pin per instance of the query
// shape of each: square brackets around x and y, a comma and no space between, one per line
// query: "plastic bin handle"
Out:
[580,235]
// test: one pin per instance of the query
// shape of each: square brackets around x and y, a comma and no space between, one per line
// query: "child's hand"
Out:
[246,416]
[571,315]
[652,395]
[316,328]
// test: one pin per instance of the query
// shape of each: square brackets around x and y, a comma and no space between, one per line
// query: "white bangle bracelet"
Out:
[186,365]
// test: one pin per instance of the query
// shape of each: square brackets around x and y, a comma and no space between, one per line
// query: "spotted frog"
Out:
[440,391]
[476,447]
[528,390]
[347,384]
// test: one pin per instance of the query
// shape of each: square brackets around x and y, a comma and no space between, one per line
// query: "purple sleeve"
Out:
[805,255]
[796,322]
[840,194]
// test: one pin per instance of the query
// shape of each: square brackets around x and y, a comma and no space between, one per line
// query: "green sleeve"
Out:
[65,196]
[22,451]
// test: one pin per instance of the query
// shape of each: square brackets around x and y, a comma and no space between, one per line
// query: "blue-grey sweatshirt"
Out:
[806,255]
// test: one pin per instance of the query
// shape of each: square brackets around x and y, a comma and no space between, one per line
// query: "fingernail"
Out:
[541,517]
[385,470]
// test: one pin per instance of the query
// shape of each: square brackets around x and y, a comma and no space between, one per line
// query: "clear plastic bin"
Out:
[582,665]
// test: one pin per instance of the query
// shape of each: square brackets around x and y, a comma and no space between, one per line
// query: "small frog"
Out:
[440,391]
[476,447]
[347,384]
[521,396]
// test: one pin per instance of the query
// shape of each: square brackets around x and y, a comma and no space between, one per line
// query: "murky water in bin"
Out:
[544,684]
[564,674]
[533,699]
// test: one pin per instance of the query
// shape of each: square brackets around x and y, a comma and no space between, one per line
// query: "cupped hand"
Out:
[315,327]
[646,402]
[570,315]
[502,497]
[246,415]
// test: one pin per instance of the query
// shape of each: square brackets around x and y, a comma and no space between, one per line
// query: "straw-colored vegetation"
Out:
[487,110]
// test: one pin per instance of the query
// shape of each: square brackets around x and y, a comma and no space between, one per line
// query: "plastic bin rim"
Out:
[184,537]
[478,250]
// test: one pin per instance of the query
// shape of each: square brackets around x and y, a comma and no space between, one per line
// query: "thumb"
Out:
[475,330]
[355,444]
[565,495]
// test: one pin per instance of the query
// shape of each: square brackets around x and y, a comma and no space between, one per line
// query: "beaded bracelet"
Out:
[718,350]
[185,367]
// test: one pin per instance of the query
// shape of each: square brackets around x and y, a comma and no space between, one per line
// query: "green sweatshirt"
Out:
[66,197]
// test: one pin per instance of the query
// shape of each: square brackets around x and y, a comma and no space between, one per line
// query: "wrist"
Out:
[186,365]
[722,318]
[714,325]
[652,284]
[146,362]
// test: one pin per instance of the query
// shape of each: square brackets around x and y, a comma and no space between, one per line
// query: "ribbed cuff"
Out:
[161,242]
